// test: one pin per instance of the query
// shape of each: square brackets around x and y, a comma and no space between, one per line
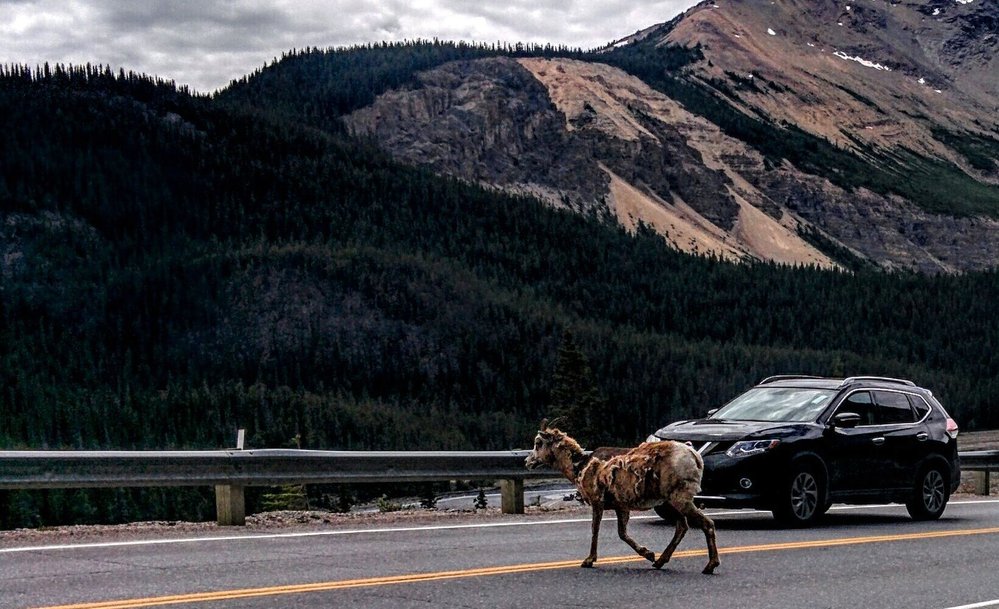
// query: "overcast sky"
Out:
[206,43]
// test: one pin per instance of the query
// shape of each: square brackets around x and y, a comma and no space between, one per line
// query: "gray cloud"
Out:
[206,43]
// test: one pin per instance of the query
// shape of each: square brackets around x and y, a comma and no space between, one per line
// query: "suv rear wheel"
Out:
[801,500]
[930,495]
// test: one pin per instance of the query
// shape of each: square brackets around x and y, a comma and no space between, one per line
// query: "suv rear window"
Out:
[893,408]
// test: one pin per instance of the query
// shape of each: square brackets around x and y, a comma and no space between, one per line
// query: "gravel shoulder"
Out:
[279,522]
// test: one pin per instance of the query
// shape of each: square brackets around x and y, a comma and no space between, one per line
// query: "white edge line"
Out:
[115,544]
[976,605]
[443,527]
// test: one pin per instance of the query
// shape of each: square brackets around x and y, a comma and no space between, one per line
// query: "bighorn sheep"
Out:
[654,473]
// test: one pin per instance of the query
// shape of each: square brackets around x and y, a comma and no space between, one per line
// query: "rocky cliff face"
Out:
[489,121]
[883,81]
[589,137]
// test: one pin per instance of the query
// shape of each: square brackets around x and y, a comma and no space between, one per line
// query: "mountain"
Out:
[806,132]
[866,75]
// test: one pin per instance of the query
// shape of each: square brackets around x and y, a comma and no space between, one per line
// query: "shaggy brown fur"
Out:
[654,473]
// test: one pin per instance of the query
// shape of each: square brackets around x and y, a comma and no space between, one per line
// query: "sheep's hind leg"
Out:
[697,518]
[678,533]
[622,532]
[598,514]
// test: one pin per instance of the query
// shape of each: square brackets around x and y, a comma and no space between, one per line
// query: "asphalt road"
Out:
[859,557]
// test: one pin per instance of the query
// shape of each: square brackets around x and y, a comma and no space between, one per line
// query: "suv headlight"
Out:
[748,448]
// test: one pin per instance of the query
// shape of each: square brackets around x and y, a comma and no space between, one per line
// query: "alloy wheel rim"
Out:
[933,491]
[804,495]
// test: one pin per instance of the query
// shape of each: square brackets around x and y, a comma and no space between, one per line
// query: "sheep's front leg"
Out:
[598,514]
[622,532]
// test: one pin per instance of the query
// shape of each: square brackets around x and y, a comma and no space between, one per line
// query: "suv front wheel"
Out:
[930,495]
[801,500]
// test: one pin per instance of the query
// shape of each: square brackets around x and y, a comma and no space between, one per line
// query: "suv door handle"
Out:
[922,436]
[878,441]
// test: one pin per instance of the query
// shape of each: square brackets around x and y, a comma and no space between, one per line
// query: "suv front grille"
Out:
[707,448]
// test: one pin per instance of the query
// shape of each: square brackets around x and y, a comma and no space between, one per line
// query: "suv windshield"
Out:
[776,404]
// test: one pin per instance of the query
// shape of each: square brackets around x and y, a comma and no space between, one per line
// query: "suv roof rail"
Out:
[886,379]
[787,377]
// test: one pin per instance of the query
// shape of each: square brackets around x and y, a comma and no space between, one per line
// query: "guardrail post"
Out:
[230,505]
[982,482]
[512,494]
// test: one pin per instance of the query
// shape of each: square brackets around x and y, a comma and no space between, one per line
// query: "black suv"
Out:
[796,444]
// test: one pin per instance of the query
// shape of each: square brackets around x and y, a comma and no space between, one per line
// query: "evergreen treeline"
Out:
[174,267]
[317,86]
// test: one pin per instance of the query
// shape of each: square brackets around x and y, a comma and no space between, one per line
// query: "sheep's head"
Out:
[544,443]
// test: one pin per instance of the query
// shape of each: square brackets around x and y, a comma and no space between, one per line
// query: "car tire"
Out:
[801,499]
[929,494]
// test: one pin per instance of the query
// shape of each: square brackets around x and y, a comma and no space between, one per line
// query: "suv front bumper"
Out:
[738,482]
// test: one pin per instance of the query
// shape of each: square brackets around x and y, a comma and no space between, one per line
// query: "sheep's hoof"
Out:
[648,554]
[659,563]
[710,569]
[588,563]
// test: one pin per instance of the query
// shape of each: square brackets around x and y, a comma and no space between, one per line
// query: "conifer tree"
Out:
[480,502]
[576,397]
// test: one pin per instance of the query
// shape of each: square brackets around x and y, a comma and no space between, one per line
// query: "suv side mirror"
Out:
[846,420]
[712,411]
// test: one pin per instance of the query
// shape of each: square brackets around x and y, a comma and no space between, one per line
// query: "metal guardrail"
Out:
[984,462]
[229,471]
[268,467]
[980,460]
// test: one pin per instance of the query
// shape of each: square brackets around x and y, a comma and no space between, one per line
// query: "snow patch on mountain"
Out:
[862,61]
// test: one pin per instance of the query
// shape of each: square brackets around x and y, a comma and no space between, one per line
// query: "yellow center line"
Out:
[205,597]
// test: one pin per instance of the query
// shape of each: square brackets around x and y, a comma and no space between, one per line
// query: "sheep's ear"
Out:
[555,421]
[544,424]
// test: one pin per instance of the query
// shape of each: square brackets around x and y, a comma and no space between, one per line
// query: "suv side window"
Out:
[893,408]
[920,406]
[860,403]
